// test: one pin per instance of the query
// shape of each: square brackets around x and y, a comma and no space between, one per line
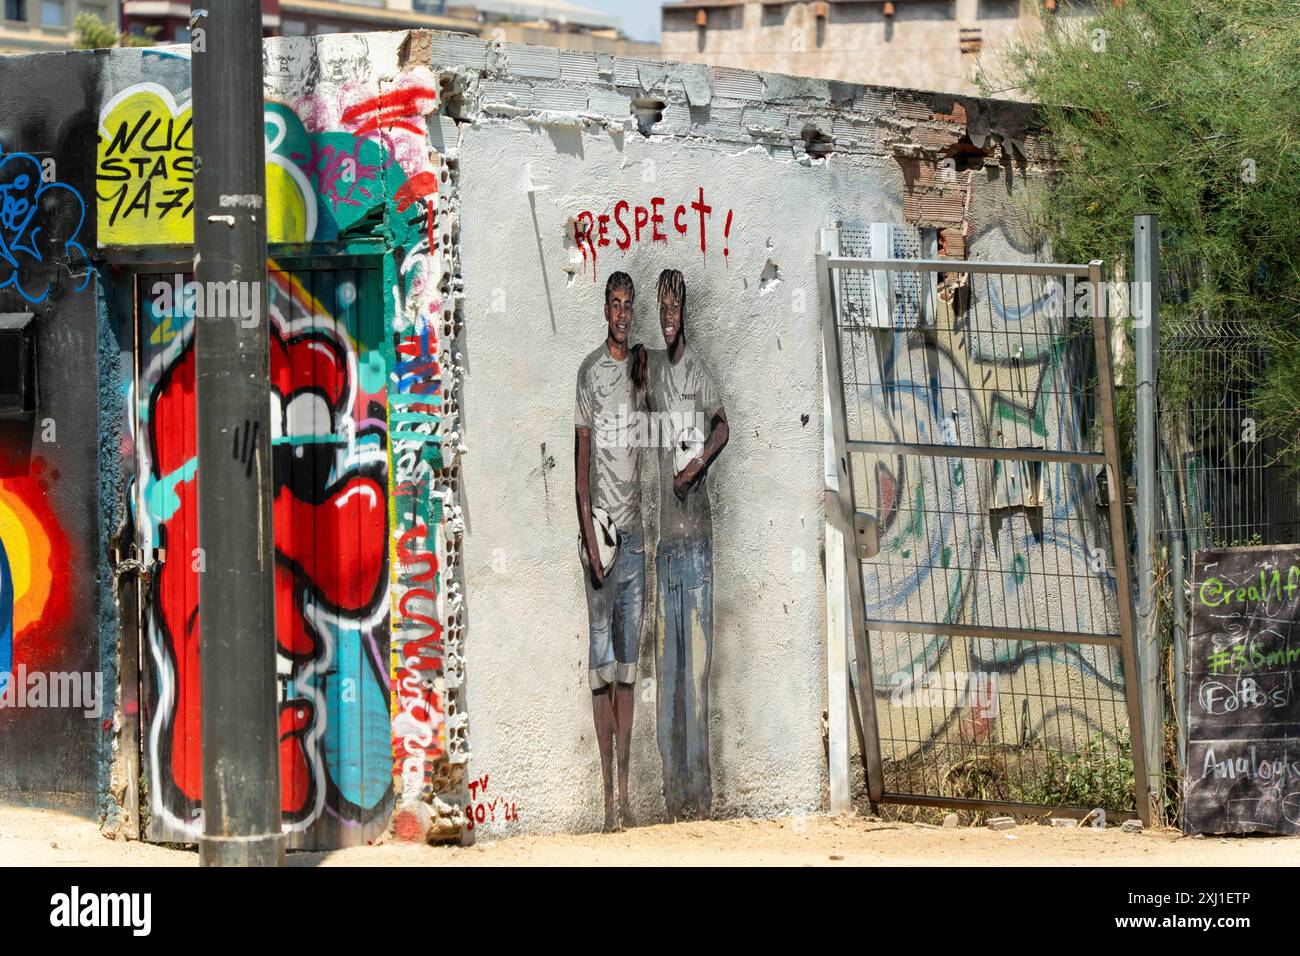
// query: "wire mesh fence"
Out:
[1222,480]
[973,433]
[1228,484]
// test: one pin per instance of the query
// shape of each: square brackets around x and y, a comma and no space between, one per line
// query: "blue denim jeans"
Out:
[683,656]
[615,612]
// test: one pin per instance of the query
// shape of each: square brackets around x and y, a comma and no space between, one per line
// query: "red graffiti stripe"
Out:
[399,109]
[417,187]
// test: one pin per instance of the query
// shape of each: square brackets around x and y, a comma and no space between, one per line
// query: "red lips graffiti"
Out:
[330,539]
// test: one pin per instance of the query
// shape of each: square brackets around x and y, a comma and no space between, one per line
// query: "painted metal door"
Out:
[330,468]
[988,577]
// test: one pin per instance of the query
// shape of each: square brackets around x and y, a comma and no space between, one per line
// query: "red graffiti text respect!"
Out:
[629,224]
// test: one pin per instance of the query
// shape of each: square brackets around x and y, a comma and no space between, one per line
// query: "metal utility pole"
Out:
[1146,330]
[240,739]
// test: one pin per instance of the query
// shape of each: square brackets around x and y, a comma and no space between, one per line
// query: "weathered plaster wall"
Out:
[529,687]
[552,136]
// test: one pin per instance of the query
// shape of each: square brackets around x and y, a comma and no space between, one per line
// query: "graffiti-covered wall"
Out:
[56,687]
[362,429]
[99,478]
[547,420]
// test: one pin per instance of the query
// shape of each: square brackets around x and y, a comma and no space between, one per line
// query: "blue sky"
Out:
[640,18]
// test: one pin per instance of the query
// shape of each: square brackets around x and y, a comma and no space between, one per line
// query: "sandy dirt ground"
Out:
[48,838]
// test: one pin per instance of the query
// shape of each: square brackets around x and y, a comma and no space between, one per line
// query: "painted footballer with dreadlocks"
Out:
[681,390]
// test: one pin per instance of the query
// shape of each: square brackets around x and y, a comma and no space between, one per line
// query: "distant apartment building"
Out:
[33,26]
[942,45]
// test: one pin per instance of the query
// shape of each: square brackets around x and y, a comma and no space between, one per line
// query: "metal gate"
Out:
[972,412]
[329,450]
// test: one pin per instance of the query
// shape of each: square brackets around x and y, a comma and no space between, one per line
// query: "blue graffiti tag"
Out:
[39,227]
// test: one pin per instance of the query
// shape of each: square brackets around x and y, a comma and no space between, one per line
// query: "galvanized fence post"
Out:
[1146,317]
[838,685]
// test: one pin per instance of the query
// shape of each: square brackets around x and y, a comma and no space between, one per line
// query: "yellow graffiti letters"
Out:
[145,169]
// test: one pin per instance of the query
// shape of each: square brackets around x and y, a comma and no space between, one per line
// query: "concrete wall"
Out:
[555,139]
[362,240]
[360,213]
[752,318]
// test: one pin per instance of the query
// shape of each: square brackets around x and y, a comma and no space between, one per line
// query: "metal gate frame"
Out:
[842,510]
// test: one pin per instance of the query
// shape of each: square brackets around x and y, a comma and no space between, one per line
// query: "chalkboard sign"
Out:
[1243,725]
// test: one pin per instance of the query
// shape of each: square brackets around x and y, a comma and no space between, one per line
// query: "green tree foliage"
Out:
[1189,109]
[92,33]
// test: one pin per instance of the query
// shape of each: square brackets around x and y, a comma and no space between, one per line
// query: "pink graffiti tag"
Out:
[331,167]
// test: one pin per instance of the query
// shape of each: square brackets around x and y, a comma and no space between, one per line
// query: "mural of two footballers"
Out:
[630,398]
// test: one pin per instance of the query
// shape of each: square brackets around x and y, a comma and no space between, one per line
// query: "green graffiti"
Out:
[1215,592]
